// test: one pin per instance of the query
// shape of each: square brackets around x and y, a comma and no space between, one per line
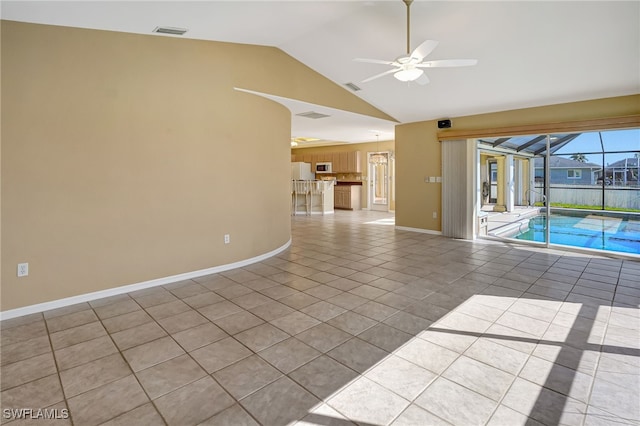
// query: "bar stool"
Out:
[301,189]
[318,188]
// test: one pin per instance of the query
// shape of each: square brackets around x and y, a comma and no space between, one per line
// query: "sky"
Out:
[613,140]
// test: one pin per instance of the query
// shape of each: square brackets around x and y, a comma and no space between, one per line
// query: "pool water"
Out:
[621,234]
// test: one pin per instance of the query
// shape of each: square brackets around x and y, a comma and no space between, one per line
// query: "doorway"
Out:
[378,181]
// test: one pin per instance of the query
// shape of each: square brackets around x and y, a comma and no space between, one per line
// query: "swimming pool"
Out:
[616,232]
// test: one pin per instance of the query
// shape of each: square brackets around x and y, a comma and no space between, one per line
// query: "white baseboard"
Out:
[422,231]
[67,301]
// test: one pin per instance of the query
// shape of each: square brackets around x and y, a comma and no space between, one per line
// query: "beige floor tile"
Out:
[138,335]
[558,378]
[168,309]
[64,322]
[169,375]
[93,374]
[496,355]
[295,323]
[427,355]
[152,353]
[120,307]
[323,311]
[233,291]
[27,370]
[246,376]
[240,321]
[323,337]
[189,290]
[385,337]
[544,405]
[358,354]
[271,311]
[289,354]
[182,321]
[106,402]
[408,323]
[251,300]
[203,299]
[415,415]
[125,321]
[81,353]
[158,297]
[194,402]
[261,337]
[299,300]
[347,300]
[375,310]
[219,310]
[280,402]
[234,415]
[145,415]
[365,401]
[323,376]
[481,378]
[455,404]
[71,336]
[401,377]
[22,333]
[324,415]
[36,394]
[23,350]
[323,292]
[220,354]
[352,323]
[199,336]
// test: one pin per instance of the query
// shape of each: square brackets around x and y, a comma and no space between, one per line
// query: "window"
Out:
[574,174]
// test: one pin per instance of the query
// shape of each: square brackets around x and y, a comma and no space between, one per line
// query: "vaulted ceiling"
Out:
[530,53]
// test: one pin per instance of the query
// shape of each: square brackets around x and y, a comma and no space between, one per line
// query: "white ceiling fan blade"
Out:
[424,49]
[375,61]
[422,80]
[382,74]
[448,63]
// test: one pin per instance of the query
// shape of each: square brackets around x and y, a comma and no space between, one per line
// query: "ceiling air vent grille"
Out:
[352,87]
[312,114]
[170,30]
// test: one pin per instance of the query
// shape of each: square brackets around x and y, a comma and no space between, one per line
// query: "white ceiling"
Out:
[530,53]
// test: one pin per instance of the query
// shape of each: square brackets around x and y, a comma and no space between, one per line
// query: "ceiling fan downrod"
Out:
[408,3]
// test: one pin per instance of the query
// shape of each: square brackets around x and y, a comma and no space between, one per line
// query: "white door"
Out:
[379,181]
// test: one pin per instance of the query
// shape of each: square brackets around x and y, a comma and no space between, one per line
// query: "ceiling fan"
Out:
[409,67]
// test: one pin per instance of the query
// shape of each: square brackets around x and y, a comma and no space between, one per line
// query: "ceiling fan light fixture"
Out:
[410,74]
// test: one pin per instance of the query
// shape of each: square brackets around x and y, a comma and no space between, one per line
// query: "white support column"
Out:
[509,181]
[532,182]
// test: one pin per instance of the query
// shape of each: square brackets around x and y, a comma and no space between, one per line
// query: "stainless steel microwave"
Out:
[323,168]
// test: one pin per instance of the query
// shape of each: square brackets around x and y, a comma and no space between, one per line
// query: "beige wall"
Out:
[364,148]
[418,150]
[126,158]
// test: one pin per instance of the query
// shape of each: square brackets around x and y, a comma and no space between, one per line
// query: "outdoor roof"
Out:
[532,144]
[560,162]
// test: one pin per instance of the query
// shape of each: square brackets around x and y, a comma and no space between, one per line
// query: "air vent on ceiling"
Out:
[312,114]
[352,86]
[170,30]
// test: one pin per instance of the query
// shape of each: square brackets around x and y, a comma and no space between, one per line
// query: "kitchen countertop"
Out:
[349,182]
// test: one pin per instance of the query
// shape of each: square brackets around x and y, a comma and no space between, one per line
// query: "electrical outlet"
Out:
[435,215]
[227,239]
[23,269]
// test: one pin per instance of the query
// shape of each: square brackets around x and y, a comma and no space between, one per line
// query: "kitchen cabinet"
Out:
[342,162]
[347,197]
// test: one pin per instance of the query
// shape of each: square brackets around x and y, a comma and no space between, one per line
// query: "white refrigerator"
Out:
[301,171]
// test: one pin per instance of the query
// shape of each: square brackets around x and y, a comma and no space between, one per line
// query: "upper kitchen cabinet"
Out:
[342,162]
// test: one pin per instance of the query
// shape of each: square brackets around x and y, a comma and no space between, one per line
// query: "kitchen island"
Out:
[312,197]
[348,195]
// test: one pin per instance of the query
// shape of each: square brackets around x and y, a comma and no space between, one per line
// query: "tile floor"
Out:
[356,322]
